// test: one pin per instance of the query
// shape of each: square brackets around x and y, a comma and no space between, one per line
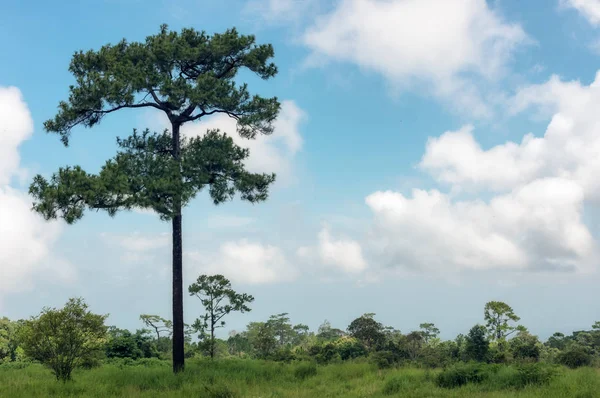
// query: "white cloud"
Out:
[26,239]
[537,226]
[343,254]
[440,43]
[541,187]
[590,9]
[273,153]
[569,148]
[243,262]
[16,126]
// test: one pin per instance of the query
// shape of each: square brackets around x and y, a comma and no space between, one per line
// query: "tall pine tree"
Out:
[187,76]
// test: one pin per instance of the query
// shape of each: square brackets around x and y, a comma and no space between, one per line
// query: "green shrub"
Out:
[393,386]
[382,359]
[461,374]
[305,370]
[575,357]
[534,374]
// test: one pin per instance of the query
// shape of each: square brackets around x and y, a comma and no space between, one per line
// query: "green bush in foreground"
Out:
[496,376]
[253,378]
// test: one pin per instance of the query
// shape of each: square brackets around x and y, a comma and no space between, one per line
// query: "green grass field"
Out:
[239,378]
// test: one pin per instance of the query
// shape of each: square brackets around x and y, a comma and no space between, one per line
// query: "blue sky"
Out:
[405,187]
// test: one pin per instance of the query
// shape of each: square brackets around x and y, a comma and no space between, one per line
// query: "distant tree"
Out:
[238,343]
[158,324]
[429,331]
[525,346]
[367,330]
[124,344]
[64,339]
[282,329]
[327,333]
[186,76]
[219,299]
[263,340]
[414,343]
[557,340]
[575,356]
[9,346]
[300,335]
[476,344]
[497,316]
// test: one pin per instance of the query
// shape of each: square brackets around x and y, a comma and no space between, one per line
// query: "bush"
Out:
[383,359]
[393,386]
[283,355]
[575,357]
[534,374]
[305,370]
[461,374]
[64,339]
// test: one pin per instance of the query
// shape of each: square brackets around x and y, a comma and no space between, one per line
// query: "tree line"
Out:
[73,336]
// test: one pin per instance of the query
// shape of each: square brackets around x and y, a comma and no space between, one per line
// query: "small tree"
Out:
[497,316]
[367,330]
[186,76]
[429,331]
[64,339]
[9,347]
[476,344]
[327,333]
[158,324]
[282,328]
[219,299]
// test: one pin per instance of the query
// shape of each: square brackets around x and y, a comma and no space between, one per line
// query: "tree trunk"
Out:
[178,334]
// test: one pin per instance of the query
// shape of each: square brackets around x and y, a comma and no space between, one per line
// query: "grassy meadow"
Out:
[252,378]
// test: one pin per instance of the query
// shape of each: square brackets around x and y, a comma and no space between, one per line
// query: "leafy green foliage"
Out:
[368,331]
[476,344]
[429,331]
[9,346]
[187,75]
[497,316]
[158,324]
[124,344]
[219,299]
[574,357]
[63,339]
[144,175]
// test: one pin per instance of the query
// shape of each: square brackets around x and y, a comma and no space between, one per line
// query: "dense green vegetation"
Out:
[277,358]
[255,378]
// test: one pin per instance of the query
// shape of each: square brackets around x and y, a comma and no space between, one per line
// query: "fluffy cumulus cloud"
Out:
[590,9]
[537,226]
[569,148]
[440,43]
[273,153]
[540,188]
[26,240]
[243,262]
[341,254]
